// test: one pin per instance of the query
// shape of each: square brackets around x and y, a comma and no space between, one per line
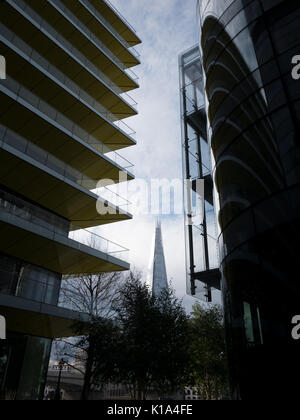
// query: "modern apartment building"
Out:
[63,102]
[252,104]
[202,260]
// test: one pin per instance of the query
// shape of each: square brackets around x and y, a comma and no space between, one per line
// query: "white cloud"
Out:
[166,27]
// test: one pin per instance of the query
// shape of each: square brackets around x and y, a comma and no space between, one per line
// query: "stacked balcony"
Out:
[63,105]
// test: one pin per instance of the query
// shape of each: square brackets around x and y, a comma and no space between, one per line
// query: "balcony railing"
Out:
[84,29]
[64,44]
[105,23]
[26,288]
[21,144]
[24,284]
[92,240]
[72,129]
[117,12]
[194,96]
[34,57]
[82,236]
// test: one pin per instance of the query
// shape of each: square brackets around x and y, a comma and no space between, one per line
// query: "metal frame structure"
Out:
[197,166]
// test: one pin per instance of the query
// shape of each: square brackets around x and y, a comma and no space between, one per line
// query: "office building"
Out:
[63,102]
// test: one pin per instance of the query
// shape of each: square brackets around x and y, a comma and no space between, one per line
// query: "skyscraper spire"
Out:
[159,275]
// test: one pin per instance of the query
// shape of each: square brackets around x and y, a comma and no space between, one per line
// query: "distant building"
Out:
[159,279]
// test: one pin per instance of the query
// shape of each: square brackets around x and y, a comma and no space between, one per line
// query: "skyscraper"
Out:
[68,74]
[252,112]
[159,272]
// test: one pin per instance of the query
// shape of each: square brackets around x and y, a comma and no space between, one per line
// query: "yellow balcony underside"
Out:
[117,22]
[50,190]
[99,123]
[103,32]
[38,319]
[58,54]
[52,251]
[48,136]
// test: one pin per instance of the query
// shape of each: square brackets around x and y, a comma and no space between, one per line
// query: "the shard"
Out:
[159,273]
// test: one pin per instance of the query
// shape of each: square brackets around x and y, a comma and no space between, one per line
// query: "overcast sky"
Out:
[166,27]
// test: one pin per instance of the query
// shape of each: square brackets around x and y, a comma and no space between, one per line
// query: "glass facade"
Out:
[23,358]
[201,234]
[21,207]
[18,278]
[23,367]
[252,108]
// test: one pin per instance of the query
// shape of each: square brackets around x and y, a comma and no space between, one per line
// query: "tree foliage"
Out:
[207,352]
[94,295]
[100,346]
[172,360]
[149,344]
[91,294]
[150,347]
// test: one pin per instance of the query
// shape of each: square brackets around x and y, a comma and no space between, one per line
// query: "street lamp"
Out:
[57,395]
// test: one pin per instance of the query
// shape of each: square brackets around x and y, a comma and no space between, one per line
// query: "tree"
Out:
[143,346]
[100,345]
[171,342]
[207,351]
[152,342]
[95,295]
[91,294]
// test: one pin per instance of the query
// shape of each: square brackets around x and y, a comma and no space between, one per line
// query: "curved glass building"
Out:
[253,117]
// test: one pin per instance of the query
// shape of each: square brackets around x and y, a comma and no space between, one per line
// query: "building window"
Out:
[252,324]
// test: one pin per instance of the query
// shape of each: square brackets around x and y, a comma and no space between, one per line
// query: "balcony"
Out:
[84,40]
[210,278]
[27,235]
[109,136]
[56,88]
[69,98]
[58,135]
[60,188]
[35,29]
[114,17]
[192,91]
[39,319]
[109,103]
[73,11]
[120,47]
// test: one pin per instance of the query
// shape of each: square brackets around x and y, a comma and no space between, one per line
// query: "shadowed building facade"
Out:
[253,117]
[68,74]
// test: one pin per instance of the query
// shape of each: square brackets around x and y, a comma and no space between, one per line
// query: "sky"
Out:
[167,28]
